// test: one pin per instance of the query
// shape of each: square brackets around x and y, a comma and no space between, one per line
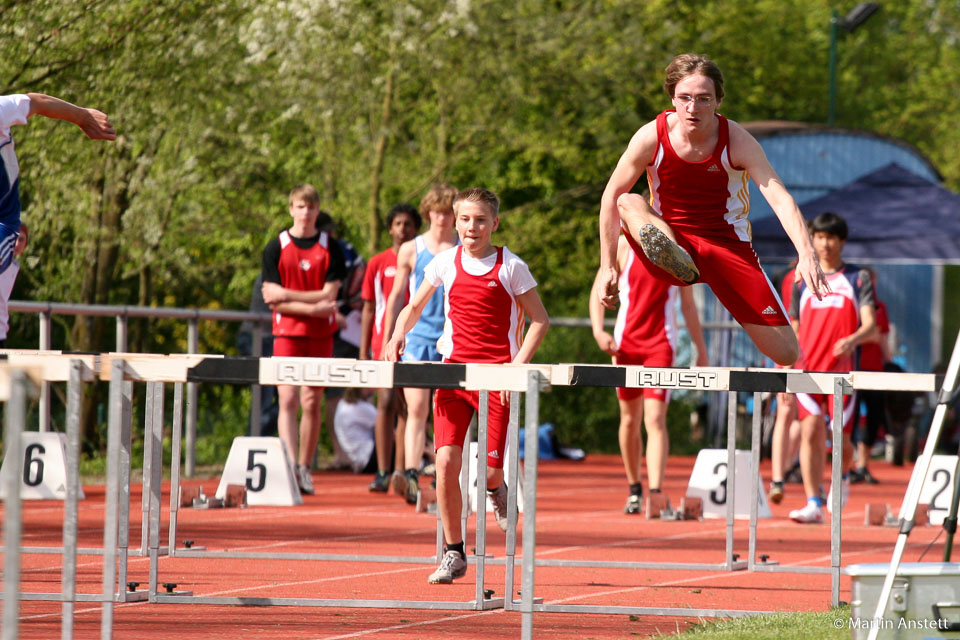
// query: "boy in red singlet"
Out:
[830,331]
[302,269]
[487,290]
[694,228]
[645,334]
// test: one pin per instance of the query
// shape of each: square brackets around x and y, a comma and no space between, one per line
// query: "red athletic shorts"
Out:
[659,358]
[732,270]
[452,412]
[811,404]
[296,347]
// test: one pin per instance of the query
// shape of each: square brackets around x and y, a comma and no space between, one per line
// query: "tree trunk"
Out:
[379,155]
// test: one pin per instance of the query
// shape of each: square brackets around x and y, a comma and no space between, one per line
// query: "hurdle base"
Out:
[133,596]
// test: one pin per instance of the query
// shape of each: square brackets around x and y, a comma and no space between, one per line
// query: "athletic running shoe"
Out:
[844,494]
[668,255]
[451,566]
[499,499]
[413,486]
[304,479]
[862,475]
[810,513]
[399,483]
[776,491]
[634,504]
[381,482]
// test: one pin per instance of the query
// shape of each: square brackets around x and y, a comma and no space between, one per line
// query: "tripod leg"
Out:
[950,523]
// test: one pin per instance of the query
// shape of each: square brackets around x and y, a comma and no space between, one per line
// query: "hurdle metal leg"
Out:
[123,471]
[69,574]
[512,463]
[530,422]
[16,410]
[731,475]
[175,466]
[836,472]
[755,487]
[149,418]
[110,550]
[483,417]
[156,467]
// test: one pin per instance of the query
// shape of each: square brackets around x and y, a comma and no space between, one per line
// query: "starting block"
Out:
[236,496]
[427,500]
[876,514]
[879,515]
[189,493]
[691,508]
[656,504]
[207,502]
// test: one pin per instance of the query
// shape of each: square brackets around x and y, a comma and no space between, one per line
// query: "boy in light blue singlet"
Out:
[413,257]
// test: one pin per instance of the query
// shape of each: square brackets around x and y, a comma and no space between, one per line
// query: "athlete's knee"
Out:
[448,461]
[785,352]
[629,202]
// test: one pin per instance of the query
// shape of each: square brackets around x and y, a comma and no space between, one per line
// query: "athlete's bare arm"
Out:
[94,123]
[746,152]
[539,323]
[631,166]
[275,293]
[604,340]
[691,318]
[406,261]
[324,305]
[406,319]
[864,333]
[366,329]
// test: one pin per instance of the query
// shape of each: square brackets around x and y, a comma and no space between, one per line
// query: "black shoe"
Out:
[381,482]
[413,486]
[862,475]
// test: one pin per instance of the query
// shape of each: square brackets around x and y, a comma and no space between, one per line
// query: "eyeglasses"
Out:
[703,101]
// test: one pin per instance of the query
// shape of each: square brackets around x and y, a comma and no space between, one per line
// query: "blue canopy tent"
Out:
[894,216]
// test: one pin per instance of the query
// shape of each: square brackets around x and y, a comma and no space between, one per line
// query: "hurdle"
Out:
[56,366]
[709,379]
[527,380]
[16,385]
[348,373]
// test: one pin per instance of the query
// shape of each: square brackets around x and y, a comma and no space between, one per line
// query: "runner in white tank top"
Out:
[487,291]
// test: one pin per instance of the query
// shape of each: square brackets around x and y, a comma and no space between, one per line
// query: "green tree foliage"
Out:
[223,107]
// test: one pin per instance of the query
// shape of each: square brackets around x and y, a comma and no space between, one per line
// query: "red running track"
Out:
[579,517]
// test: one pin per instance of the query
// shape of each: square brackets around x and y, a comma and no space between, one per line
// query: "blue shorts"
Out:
[419,350]
[8,242]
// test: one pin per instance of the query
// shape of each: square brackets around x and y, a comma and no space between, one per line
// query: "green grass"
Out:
[821,625]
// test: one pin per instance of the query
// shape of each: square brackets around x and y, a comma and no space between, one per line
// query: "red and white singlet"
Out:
[484,321]
[646,320]
[303,270]
[377,285]
[710,196]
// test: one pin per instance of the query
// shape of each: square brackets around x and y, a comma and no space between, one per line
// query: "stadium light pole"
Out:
[850,23]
